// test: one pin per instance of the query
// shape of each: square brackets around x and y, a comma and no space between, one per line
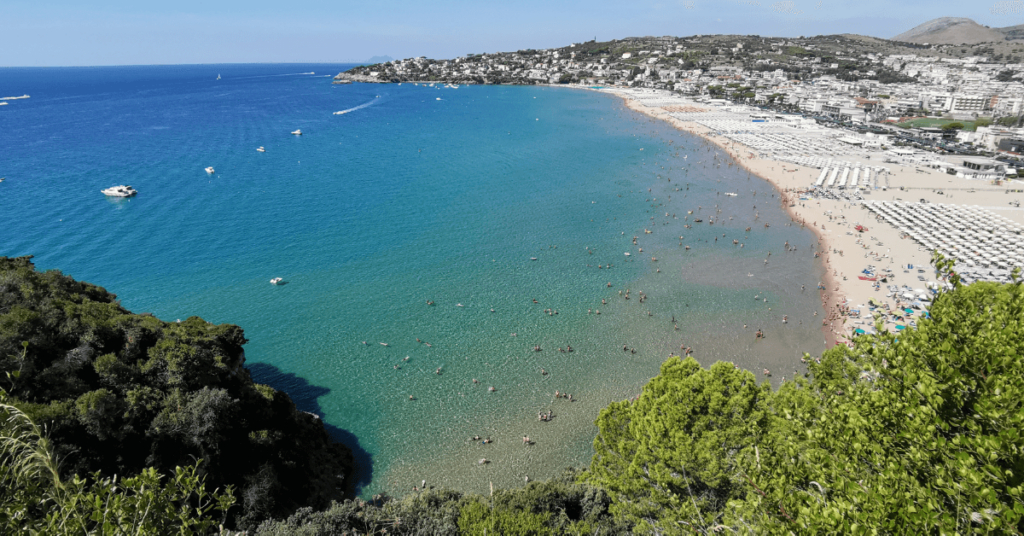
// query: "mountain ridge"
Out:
[958,30]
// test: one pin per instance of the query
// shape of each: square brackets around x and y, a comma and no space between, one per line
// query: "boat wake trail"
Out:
[360,107]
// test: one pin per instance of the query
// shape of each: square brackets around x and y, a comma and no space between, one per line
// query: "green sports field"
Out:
[935,122]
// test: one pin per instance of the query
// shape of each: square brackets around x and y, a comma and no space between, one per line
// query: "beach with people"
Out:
[410,271]
[854,261]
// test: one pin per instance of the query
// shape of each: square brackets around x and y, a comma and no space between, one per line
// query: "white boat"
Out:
[343,112]
[276,280]
[119,191]
[210,170]
[218,77]
[730,194]
[297,133]
[3,104]
[261,149]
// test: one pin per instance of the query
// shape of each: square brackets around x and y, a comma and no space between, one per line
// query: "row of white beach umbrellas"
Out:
[972,235]
[845,174]
[789,144]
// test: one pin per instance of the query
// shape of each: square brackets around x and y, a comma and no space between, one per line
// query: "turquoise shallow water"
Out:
[408,199]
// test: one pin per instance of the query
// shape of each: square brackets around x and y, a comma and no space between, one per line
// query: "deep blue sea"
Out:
[418,194]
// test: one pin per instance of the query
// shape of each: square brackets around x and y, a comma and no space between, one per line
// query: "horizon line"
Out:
[185,64]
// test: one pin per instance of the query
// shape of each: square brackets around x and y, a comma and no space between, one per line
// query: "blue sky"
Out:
[52,33]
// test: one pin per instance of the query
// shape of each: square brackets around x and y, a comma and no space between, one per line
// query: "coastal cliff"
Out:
[349,77]
[119,392]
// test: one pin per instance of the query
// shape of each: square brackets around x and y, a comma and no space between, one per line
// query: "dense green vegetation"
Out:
[919,433]
[562,505]
[119,393]
[916,432]
[36,500]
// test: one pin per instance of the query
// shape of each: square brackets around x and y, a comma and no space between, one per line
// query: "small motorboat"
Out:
[628,254]
[533,258]
[260,150]
[276,280]
[731,194]
[297,133]
[119,191]
[210,170]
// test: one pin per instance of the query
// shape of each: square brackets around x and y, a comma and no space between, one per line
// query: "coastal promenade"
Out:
[844,251]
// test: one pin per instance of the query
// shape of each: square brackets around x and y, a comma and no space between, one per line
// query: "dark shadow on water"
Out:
[306,396]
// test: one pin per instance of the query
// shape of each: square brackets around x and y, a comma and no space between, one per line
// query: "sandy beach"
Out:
[843,251]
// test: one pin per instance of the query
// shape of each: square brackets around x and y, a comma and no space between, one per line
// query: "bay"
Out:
[417,194]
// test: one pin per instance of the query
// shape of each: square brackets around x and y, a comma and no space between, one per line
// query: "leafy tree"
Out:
[671,458]
[910,433]
[120,393]
[478,519]
[35,499]
[562,505]
[915,433]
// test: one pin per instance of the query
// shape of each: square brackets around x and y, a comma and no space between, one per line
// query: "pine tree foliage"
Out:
[912,432]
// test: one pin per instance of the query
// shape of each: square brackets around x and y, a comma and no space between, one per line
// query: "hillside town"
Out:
[914,97]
